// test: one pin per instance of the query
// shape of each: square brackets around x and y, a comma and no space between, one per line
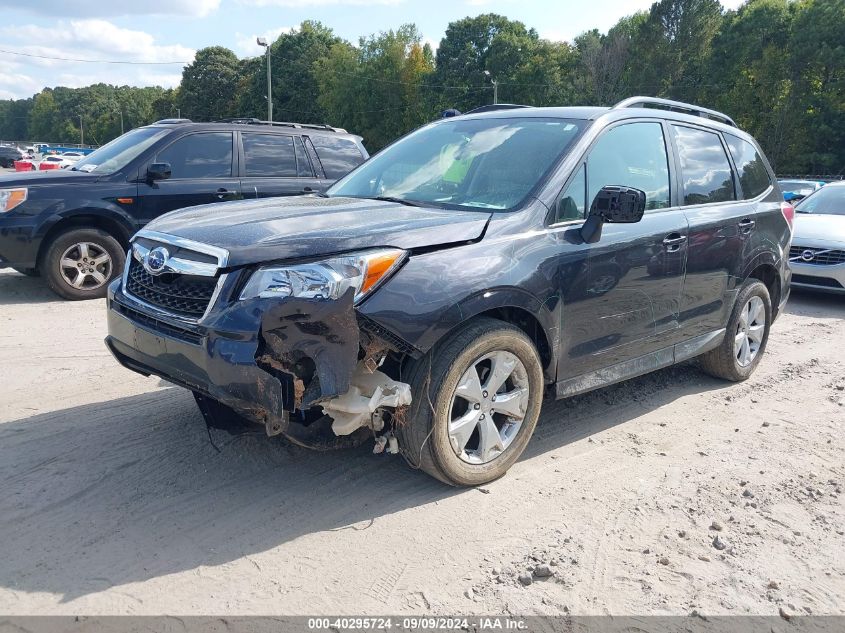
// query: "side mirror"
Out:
[158,171]
[617,205]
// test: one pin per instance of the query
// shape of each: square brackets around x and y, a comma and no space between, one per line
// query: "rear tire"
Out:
[477,398]
[80,263]
[746,336]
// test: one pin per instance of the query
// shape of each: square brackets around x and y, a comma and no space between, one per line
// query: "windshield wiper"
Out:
[407,203]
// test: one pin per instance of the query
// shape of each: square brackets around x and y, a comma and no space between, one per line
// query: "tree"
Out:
[488,42]
[209,85]
[44,115]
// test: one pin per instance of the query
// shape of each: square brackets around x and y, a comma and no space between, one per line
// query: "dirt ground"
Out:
[115,500]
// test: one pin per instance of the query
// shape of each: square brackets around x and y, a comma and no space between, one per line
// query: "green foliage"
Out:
[209,85]
[776,66]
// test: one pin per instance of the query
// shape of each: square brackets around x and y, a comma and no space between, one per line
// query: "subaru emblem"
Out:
[155,260]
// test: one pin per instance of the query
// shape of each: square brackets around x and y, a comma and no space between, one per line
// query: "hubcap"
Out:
[488,407]
[749,331]
[86,266]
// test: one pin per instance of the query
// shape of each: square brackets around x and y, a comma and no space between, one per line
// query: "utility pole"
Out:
[81,134]
[262,41]
[121,121]
[495,86]
[178,113]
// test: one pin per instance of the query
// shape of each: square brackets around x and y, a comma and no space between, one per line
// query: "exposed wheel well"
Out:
[768,274]
[529,324]
[113,227]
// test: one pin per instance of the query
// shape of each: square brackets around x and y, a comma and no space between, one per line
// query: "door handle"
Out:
[673,242]
[222,193]
[307,190]
[746,225]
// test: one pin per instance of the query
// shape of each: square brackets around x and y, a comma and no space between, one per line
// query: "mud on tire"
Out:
[726,360]
[427,438]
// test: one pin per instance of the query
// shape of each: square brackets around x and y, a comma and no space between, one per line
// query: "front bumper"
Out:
[244,354]
[827,278]
[18,246]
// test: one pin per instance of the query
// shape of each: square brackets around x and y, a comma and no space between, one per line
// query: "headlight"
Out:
[10,198]
[327,279]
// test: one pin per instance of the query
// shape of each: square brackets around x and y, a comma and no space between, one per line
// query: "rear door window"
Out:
[753,175]
[206,155]
[706,174]
[338,155]
[269,155]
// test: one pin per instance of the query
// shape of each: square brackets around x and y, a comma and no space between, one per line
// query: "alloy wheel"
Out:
[488,407]
[749,331]
[86,266]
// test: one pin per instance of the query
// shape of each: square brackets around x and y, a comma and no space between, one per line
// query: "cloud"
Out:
[304,4]
[98,8]
[93,39]
[245,45]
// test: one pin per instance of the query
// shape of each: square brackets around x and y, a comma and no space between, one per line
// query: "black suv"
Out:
[9,154]
[434,295]
[74,225]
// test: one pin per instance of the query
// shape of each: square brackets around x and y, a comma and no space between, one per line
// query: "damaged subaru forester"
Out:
[435,295]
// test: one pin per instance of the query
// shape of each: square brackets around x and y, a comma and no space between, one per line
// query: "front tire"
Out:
[746,336]
[477,398]
[80,263]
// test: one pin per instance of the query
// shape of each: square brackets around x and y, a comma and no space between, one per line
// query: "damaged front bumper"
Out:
[263,358]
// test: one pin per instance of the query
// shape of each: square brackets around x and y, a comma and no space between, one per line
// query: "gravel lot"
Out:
[117,501]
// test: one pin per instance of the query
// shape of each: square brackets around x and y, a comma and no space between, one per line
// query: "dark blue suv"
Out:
[433,297]
[73,226]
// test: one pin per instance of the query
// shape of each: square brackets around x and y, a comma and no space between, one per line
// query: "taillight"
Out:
[788,213]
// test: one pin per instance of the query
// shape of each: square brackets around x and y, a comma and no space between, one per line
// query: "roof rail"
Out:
[254,121]
[668,104]
[172,121]
[496,106]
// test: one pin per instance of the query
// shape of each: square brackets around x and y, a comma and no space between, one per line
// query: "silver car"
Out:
[817,255]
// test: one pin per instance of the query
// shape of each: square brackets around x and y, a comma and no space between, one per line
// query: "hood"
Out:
[823,228]
[47,177]
[270,229]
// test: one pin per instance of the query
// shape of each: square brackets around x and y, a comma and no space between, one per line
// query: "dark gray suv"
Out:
[435,295]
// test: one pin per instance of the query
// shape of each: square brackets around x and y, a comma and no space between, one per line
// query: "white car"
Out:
[72,157]
[817,255]
[55,159]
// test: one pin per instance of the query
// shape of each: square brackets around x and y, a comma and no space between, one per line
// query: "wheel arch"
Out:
[112,223]
[520,309]
[764,269]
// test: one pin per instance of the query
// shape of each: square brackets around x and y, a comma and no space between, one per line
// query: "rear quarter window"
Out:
[753,175]
[338,155]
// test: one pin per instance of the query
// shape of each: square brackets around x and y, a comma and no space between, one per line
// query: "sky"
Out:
[161,36]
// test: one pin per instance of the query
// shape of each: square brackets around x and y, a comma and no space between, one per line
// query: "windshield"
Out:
[829,200]
[470,163]
[117,154]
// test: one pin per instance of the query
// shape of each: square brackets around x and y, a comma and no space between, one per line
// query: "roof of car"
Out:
[691,114]
[255,124]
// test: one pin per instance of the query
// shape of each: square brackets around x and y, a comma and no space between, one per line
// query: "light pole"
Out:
[81,134]
[262,41]
[120,112]
[495,86]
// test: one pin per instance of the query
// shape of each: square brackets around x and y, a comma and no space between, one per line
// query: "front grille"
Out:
[821,256]
[187,295]
[159,326]
[825,282]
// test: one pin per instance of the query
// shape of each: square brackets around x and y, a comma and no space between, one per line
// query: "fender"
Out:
[112,212]
[494,299]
